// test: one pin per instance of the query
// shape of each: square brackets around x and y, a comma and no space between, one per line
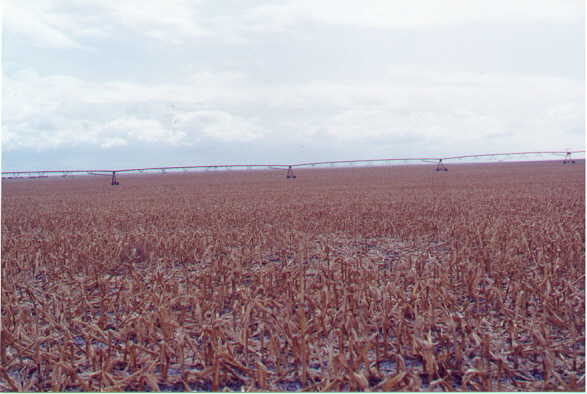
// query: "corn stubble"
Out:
[378,279]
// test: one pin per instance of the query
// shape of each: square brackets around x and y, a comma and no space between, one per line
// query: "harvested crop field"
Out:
[389,278]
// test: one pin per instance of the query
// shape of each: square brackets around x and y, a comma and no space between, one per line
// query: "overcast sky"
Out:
[115,84]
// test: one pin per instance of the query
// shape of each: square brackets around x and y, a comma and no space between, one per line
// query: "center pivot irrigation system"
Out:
[439,161]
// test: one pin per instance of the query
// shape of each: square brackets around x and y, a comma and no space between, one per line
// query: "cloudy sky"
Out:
[116,84]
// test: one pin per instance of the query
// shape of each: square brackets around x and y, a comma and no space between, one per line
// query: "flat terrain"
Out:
[389,278]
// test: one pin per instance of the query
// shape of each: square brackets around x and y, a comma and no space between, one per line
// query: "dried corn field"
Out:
[379,279]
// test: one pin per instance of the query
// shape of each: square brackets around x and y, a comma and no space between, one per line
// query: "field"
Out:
[391,278]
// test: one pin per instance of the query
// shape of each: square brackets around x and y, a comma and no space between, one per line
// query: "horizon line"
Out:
[439,159]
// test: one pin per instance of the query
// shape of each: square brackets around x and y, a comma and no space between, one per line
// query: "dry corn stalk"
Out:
[363,279]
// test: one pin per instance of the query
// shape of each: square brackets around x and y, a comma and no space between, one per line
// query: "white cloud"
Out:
[220,125]
[173,21]
[69,23]
[447,112]
[113,142]
[44,25]
[412,14]
[416,104]
[43,112]
[406,105]
[199,76]
[65,24]
[140,130]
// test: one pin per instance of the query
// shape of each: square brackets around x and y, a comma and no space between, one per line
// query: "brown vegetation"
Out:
[397,278]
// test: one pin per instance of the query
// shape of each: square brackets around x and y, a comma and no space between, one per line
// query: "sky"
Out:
[106,84]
